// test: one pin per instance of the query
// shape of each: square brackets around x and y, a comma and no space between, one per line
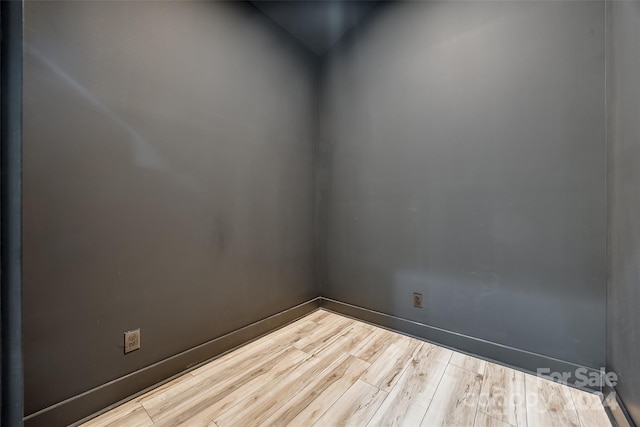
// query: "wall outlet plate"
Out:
[131,340]
[417,300]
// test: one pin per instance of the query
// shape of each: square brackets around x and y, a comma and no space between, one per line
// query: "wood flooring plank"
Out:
[332,316]
[372,348]
[337,318]
[258,406]
[216,375]
[470,363]
[111,415]
[549,403]
[319,316]
[386,370]
[287,327]
[306,407]
[291,334]
[116,414]
[355,407]
[205,406]
[323,335]
[436,353]
[162,388]
[456,399]
[503,395]
[131,416]
[136,418]
[484,420]
[350,339]
[590,409]
[409,399]
[326,369]
[243,356]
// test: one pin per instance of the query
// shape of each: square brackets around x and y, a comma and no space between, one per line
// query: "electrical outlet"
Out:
[417,300]
[131,340]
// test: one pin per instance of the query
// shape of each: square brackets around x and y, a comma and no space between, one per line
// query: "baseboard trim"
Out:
[102,398]
[615,408]
[497,353]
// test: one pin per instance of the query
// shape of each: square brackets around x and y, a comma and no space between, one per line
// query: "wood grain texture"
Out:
[130,413]
[386,370]
[549,403]
[207,405]
[211,380]
[470,363]
[484,420]
[503,395]
[322,336]
[292,333]
[306,407]
[329,370]
[589,408]
[319,316]
[436,353]
[258,406]
[355,407]
[456,399]
[349,339]
[409,400]
[371,349]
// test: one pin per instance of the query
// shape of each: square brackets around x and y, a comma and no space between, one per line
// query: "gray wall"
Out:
[623,316]
[168,182]
[464,147]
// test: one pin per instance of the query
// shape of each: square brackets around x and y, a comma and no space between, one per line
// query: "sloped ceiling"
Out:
[317,24]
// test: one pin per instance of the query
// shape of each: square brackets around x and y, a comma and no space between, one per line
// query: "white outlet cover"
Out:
[131,340]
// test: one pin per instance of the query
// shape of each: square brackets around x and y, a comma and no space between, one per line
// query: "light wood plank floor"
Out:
[330,370]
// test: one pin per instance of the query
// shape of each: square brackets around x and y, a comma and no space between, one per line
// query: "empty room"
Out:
[320,213]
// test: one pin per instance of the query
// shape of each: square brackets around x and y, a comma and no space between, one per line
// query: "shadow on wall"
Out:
[144,153]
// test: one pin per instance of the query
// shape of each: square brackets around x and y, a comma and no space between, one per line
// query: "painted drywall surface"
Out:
[168,182]
[465,150]
[317,24]
[623,318]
